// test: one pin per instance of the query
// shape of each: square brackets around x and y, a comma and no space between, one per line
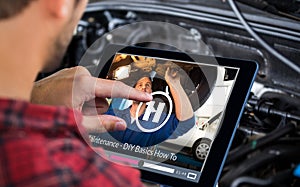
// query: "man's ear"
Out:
[59,8]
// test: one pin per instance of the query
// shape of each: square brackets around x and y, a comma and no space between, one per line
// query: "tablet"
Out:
[182,136]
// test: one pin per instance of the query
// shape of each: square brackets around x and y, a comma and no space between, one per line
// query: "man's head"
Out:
[12,8]
[51,21]
[144,84]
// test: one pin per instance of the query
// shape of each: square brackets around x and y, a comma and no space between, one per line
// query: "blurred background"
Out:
[266,147]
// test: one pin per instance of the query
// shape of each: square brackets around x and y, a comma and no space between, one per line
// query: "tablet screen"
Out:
[173,134]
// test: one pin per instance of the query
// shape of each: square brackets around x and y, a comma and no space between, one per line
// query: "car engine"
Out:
[266,147]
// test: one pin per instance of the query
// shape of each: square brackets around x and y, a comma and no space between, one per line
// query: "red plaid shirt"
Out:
[42,146]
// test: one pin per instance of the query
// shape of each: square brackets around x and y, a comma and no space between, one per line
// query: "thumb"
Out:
[103,123]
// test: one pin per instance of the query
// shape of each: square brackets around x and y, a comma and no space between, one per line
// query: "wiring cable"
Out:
[260,40]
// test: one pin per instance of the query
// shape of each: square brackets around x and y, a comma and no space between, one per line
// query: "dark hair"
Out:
[10,8]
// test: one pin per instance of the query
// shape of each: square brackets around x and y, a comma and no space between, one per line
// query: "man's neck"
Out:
[19,60]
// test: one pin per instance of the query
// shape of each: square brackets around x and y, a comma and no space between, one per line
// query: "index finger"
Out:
[117,89]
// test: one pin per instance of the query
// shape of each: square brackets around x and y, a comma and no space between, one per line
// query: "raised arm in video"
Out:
[177,124]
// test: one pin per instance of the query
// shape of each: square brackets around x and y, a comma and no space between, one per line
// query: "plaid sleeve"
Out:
[43,146]
[33,160]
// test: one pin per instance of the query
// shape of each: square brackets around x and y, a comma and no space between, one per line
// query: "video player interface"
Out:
[172,134]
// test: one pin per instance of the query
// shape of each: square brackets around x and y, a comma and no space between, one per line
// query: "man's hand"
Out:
[76,88]
[172,76]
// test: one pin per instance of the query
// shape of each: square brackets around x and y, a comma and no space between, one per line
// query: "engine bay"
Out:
[265,150]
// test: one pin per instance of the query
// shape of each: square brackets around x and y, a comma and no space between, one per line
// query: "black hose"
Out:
[278,155]
[271,50]
[264,107]
[276,180]
[243,150]
[251,180]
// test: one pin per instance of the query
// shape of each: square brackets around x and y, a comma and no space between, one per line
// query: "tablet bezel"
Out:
[232,113]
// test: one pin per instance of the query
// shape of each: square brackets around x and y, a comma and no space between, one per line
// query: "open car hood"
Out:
[223,33]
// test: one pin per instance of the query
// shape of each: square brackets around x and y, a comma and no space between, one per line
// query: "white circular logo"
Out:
[150,109]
